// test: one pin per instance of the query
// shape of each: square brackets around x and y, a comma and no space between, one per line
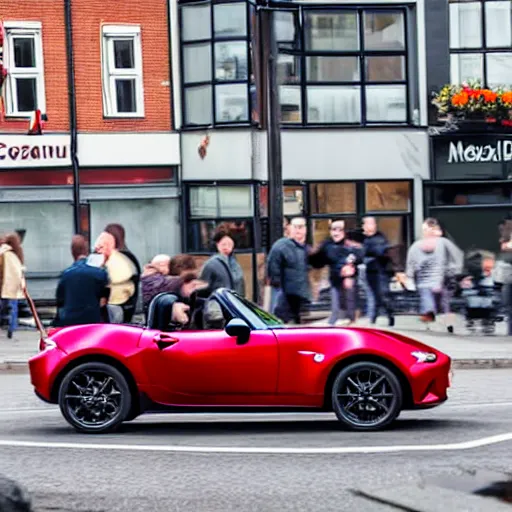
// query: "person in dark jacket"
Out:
[377,262]
[287,270]
[222,270]
[82,289]
[342,259]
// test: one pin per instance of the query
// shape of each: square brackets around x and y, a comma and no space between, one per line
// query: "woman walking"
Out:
[222,270]
[11,277]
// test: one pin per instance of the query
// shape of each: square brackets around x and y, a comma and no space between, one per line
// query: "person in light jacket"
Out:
[11,277]
[432,262]
[222,270]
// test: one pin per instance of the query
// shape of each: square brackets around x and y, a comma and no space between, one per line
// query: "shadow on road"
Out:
[167,427]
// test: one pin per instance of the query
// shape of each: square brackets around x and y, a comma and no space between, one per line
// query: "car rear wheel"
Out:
[366,396]
[94,398]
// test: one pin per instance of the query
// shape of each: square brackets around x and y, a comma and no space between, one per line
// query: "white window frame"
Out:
[110,74]
[30,29]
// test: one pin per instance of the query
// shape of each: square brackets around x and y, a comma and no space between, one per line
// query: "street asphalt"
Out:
[180,463]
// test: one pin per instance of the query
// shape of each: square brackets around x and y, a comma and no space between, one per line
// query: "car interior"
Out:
[206,313]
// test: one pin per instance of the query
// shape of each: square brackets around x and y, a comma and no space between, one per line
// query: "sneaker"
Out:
[391,321]
[450,329]
[9,334]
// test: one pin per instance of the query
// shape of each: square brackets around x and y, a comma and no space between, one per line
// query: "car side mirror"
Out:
[238,328]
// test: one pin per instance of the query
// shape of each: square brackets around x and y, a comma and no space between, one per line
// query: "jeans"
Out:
[288,307]
[274,294]
[343,300]
[377,295]
[115,314]
[11,305]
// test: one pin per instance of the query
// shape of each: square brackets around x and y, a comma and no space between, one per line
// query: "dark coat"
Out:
[335,254]
[287,267]
[376,256]
[222,272]
[80,289]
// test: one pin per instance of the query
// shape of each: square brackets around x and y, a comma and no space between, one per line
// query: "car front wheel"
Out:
[366,396]
[94,398]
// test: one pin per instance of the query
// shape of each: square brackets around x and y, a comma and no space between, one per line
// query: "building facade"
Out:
[111,154]
[470,186]
[354,110]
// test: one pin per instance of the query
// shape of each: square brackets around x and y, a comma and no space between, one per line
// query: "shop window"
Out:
[152,225]
[469,194]
[223,201]
[332,198]
[293,200]
[25,91]
[200,234]
[123,93]
[48,230]
[215,63]
[481,41]
[390,196]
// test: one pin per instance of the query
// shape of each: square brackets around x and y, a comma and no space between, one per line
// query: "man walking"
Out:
[287,270]
[376,260]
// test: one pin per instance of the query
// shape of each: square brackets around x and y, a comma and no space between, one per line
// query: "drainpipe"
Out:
[72,113]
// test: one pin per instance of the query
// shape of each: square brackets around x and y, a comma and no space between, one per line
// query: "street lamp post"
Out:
[275,176]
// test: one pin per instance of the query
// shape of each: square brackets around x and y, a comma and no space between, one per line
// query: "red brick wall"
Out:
[51,15]
[151,15]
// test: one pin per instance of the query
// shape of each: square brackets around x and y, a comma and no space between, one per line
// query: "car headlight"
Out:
[424,357]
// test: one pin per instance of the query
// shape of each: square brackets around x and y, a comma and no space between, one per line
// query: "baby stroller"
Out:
[481,293]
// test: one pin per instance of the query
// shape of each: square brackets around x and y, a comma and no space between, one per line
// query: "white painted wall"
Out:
[228,155]
[118,149]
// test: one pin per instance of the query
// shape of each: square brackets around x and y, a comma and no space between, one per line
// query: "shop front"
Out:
[470,190]
[36,199]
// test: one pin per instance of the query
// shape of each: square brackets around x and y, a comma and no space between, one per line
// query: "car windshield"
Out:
[254,313]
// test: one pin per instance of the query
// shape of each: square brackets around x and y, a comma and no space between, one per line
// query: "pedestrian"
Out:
[287,270]
[222,270]
[342,257]
[119,234]
[12,278]
[431,261]
[377,273]
[82,289]
[503,270]
[121,272]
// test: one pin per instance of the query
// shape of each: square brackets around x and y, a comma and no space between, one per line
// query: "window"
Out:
[123,90]
[481,41]
[223,201]
[349,67]
[24,91]
[216,70]
[389,196]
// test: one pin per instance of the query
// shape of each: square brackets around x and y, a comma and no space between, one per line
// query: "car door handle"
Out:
[164,340]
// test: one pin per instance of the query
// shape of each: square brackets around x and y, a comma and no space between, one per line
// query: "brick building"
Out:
[110,154]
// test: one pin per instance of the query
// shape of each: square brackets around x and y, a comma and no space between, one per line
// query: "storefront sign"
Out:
[18,151]
[460,152]
[472,157]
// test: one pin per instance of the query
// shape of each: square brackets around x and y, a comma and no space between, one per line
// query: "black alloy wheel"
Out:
[366,396]
[94,398]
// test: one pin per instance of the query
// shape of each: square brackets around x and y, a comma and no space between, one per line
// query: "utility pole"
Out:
[275,175]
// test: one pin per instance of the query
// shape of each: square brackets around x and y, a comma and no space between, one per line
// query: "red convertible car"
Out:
[236,357]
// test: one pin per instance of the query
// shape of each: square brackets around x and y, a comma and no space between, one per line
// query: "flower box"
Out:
[473,107]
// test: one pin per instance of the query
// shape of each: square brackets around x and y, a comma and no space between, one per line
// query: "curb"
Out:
[457,364]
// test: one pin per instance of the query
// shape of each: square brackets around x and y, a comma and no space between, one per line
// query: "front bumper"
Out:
[430,383]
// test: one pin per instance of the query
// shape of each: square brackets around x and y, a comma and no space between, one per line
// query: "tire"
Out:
[94,398]
[358,405]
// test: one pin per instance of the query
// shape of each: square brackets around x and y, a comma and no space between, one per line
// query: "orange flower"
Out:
[506,97]
[489,96]
[460,100]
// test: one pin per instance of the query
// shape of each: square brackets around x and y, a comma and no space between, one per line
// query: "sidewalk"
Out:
[467,350]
